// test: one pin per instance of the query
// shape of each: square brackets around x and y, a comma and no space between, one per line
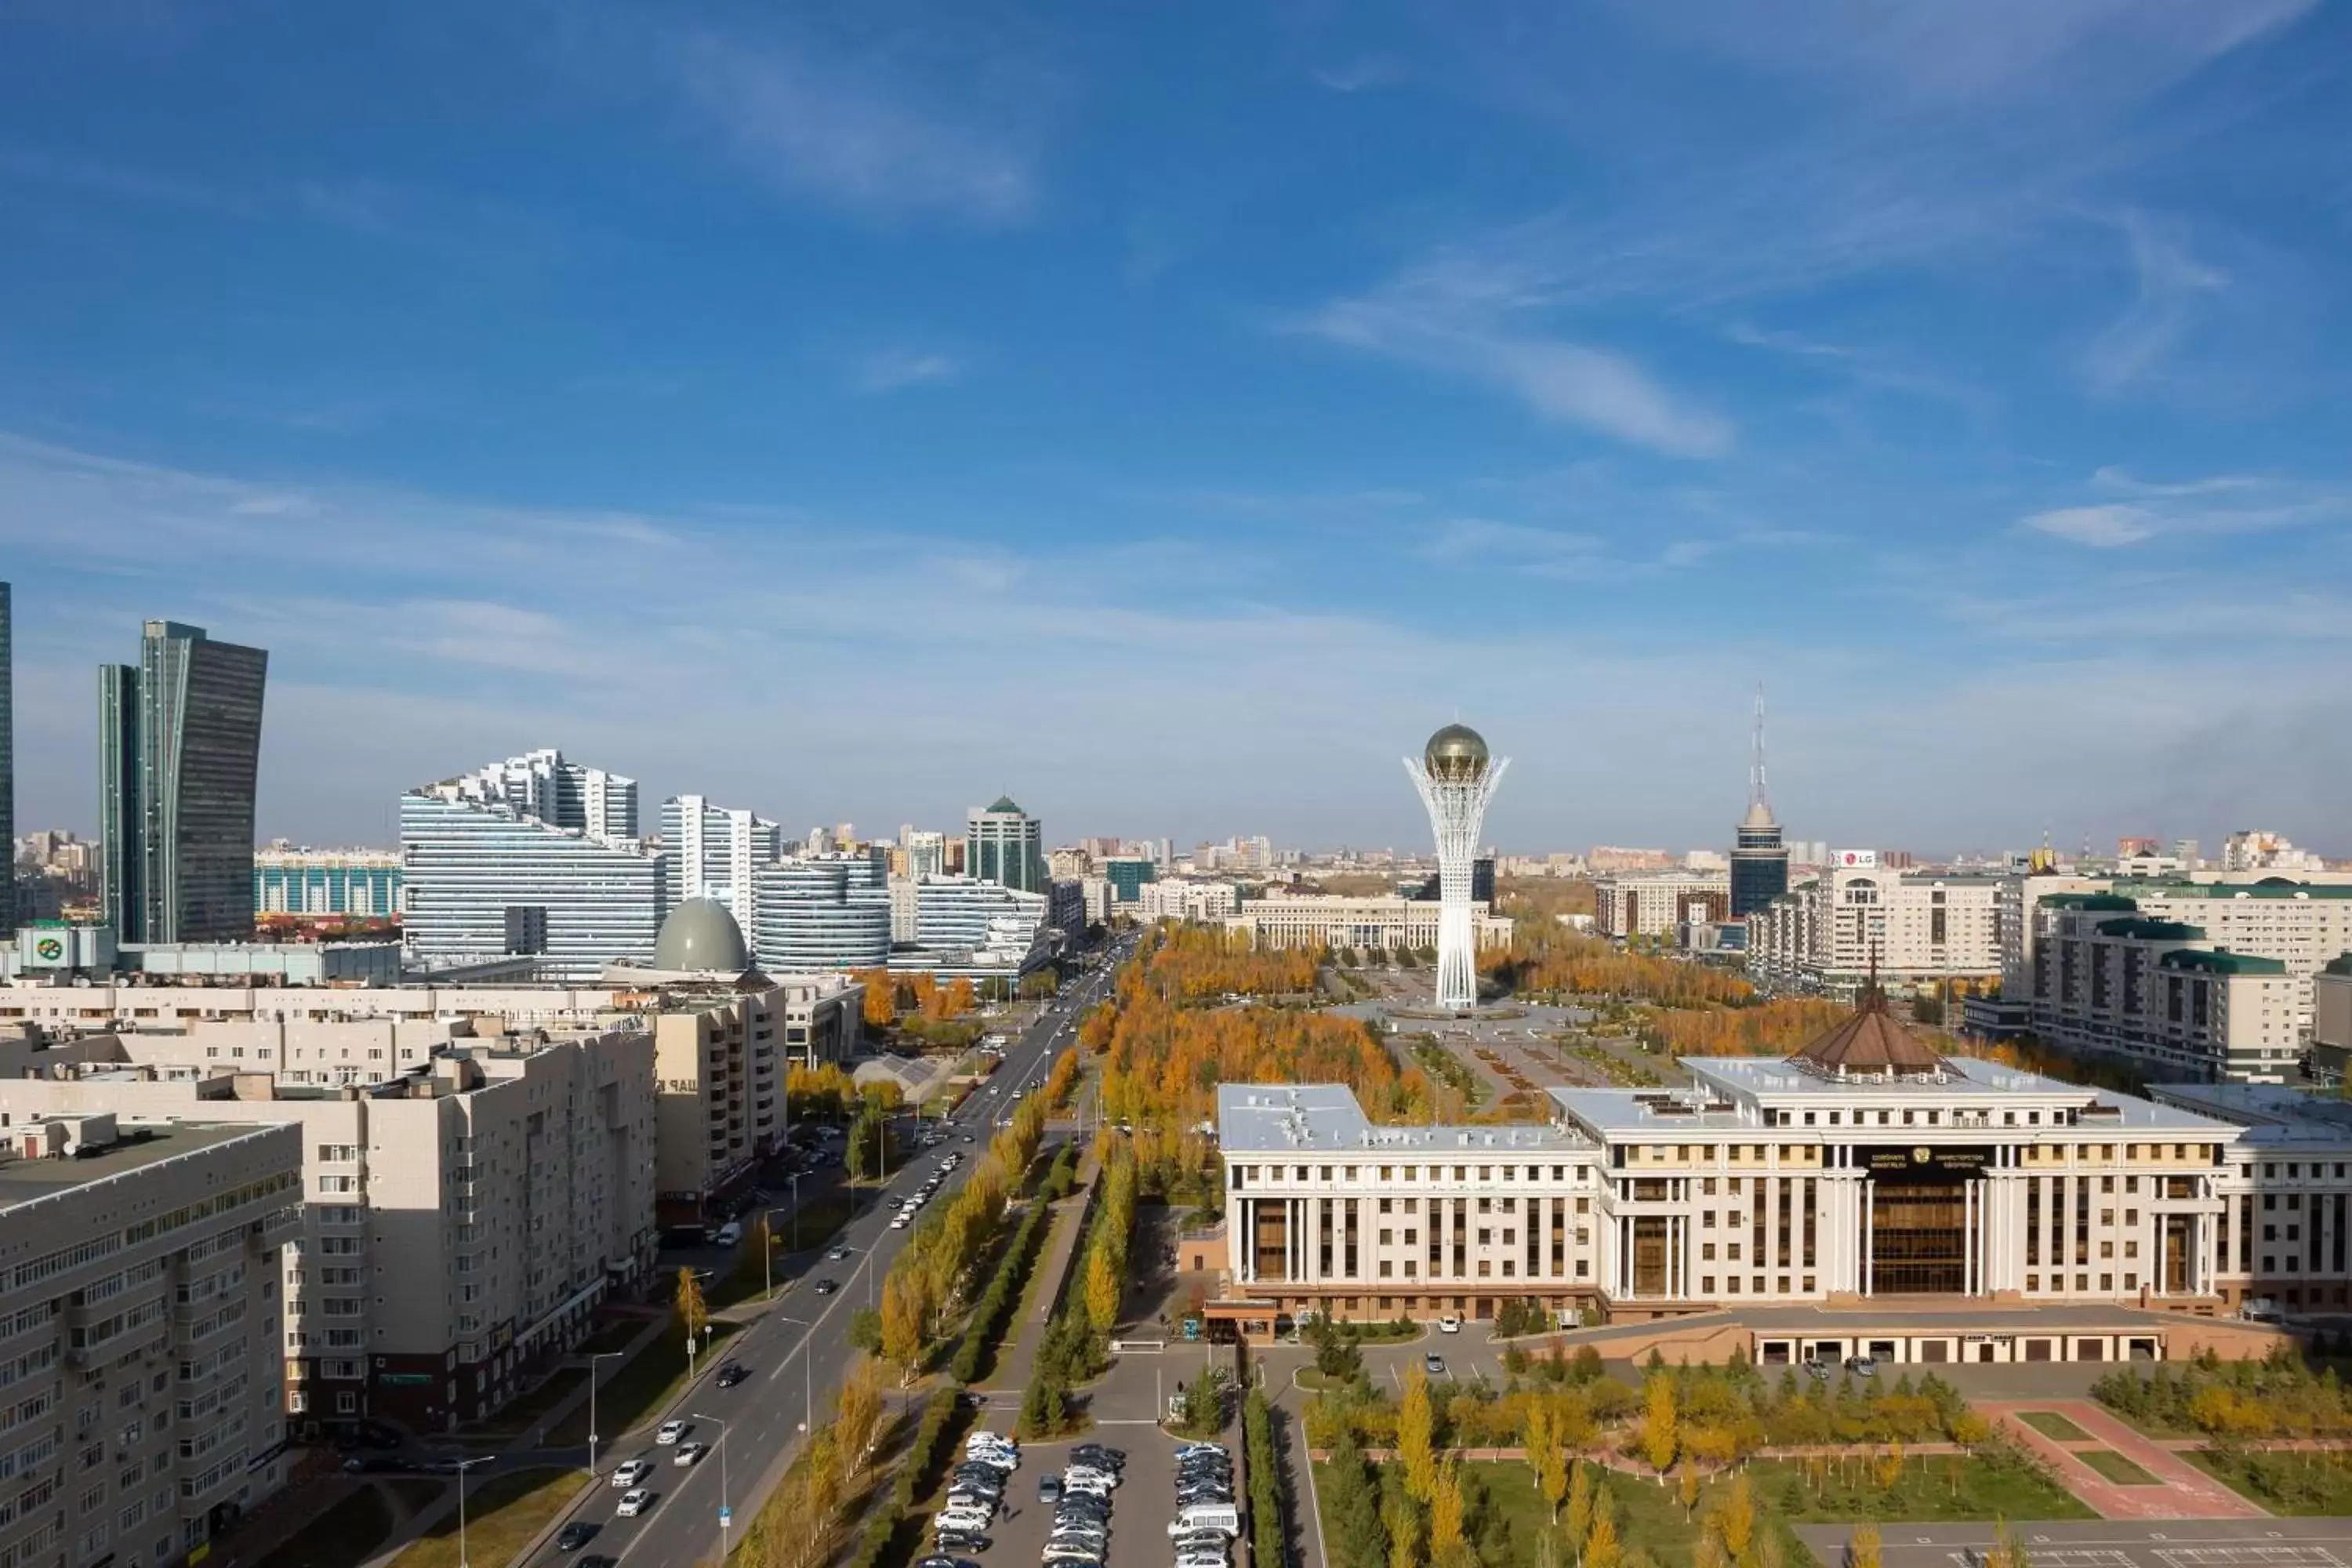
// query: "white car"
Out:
[1449,1325]
[670,1432]
[897,1222]
[635,1504]
[687,1453]
[633,1472]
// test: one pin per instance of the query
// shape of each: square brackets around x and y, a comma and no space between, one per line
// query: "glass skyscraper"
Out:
[1006,845]
[179,751]
[818,914]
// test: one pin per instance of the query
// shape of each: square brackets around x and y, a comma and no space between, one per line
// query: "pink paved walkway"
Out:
[2187,1492]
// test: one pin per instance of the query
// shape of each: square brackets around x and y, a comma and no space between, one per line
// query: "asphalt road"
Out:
[752,1424]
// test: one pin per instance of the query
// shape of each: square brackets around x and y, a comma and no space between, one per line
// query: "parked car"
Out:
[1049,1488]
[1862,1366]
[729,1234]
[1449,1325]
[1433,1364]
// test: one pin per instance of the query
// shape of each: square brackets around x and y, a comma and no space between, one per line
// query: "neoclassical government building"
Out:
[1867,1172]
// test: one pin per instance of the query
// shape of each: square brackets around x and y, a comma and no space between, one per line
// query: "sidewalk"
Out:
[2183,1491]
[1013,1368]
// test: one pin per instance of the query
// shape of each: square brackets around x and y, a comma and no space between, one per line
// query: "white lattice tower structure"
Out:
[1457,779]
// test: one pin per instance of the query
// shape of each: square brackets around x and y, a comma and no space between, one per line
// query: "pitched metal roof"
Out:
[1871,1043]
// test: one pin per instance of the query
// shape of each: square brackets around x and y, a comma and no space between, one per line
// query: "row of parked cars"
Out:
[975,1491]
[1206,1519]
[1080,1494]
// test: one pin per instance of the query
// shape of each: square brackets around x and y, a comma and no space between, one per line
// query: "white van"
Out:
[1222,1517]
[727,1235]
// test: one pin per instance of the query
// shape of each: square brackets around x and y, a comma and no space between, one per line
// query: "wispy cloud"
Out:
[1363,73]
[1441,328]
[2169,284]
[2227,504]
[860,126]
[1999,52]
[895,370]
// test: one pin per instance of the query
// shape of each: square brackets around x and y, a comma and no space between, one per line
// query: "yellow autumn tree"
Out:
[902,1325]
[1600,1548]
[1102,1289]
[857,1412]
[1416,1433]
[1735,1518]
[1580,1506]
[1403,1522]
[1445,1509]
[1659,1444]
[1547,1451]
[692,1315]
[1861,1548]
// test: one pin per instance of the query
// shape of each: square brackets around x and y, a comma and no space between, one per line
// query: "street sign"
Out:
[725,1516]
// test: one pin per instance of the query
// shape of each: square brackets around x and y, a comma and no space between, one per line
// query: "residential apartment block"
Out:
[461,1215]
[139,1332]
[1187,899]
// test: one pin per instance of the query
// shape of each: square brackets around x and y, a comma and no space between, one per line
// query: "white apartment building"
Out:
[1659,903]
[1865,1167]
[1914,927]
[2159,992]
[1188,900]
[716,852]
[968,924]
[532,858]
[1378,924]
[139,1330]
[463,1217]
[2304,924]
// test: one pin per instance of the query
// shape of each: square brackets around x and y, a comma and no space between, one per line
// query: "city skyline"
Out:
[1962,382]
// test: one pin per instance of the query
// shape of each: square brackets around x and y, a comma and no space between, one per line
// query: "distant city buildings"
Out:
[1829,934]
[180,750]
[533,858]
[2253,849]
[1187,899]
[8,912]
[318,886]
[1004,845]
[1372,924]
[1656,903]
[1603,858]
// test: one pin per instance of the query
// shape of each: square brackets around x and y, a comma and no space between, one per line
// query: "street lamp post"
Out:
[768,1234]
[463,1466]
[808,1378]
[726,1515]
[601,1355]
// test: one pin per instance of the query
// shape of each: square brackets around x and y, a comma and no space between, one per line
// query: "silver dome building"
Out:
[700,937]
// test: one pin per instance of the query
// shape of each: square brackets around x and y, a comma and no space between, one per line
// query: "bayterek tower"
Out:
[1456,778]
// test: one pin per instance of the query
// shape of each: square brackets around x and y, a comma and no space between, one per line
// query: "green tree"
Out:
[1402,1517]
[1352,1500]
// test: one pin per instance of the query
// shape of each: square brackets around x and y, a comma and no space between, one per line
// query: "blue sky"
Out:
[1170,413]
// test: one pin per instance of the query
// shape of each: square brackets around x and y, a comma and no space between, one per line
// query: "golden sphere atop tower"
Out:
[1456,753]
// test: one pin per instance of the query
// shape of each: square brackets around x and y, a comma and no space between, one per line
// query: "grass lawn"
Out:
[2283,1483]
[1992,1485]
[613,1336]
[2049,1423]
[1649,1517]
[346,1534]
[502,1515]
[2116,1468]
[641,1385]
[521,1414]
